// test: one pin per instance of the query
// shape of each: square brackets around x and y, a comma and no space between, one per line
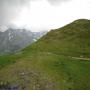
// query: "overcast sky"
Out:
[40,15]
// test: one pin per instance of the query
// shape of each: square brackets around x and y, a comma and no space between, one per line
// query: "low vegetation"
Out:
[48,64]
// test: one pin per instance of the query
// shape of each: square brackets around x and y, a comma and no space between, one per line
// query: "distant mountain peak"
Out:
[13,40]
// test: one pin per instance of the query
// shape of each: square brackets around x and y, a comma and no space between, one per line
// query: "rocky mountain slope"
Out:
[13,40]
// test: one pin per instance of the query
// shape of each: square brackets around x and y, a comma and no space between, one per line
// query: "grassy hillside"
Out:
[73,39]
[57,61]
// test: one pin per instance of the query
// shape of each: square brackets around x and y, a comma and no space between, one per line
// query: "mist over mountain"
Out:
[13,40]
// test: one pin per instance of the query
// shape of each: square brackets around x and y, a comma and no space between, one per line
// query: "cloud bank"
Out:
[56,2]
[9,9]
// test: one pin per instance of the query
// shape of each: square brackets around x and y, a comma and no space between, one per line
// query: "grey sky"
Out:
[56,2]
[9,9]
[42,14]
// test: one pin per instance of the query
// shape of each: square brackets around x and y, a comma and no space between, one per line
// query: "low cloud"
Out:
[9,9]
[56,2]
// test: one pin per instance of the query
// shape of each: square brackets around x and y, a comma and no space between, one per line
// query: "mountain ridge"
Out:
[13,40]
[66,39]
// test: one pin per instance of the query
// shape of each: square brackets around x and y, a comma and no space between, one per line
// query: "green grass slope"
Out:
[73,39]
[57,61]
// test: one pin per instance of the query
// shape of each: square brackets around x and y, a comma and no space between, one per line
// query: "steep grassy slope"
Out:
[48,64]
[73,39]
